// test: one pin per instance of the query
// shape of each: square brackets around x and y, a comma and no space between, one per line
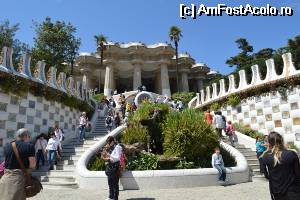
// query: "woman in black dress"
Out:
[281,166]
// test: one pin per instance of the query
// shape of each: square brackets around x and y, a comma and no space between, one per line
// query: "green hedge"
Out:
[187,135]
[135,133]
[247,131]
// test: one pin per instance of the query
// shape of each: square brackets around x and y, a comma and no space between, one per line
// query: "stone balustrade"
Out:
[159,179]
[206,97]
[60,83]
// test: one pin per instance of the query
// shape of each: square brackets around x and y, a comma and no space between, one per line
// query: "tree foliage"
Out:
[294,47]
[7,38]
[55,43]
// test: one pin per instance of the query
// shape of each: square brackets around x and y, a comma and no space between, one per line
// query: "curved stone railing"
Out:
[159,179]
[206,97]
[59,82]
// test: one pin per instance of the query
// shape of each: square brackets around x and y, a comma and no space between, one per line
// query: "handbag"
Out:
[32,185]
[2,169]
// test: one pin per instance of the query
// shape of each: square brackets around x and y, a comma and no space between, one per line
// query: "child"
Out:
[260,149]
[52,148]
[230,131]
[218,163]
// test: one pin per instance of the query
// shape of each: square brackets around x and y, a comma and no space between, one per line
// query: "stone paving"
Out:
[245,191]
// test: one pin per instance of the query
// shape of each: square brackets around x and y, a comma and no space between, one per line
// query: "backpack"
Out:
[2,169]
[122,161]
[108,120]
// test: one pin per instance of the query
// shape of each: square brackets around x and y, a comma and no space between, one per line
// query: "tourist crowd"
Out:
[279,165]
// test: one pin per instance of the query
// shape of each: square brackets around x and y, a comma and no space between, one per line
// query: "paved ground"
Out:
[246,191]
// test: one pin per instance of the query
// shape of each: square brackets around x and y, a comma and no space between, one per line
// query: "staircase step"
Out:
[252,161]
[60,178]
[60,185]
[53,173]
[254,166]
[259,178]
[247,154]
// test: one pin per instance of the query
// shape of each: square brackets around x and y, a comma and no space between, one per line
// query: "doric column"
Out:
[199,85]
[109,80]
[184,82]
[137,75]
[164,78]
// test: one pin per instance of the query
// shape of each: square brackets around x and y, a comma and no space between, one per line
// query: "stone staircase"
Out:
[64,176]
[253,162]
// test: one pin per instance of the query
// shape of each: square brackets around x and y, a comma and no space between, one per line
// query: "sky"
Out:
[208,39]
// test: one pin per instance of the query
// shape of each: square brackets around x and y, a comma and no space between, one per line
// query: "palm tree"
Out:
[175,35]
[100,40]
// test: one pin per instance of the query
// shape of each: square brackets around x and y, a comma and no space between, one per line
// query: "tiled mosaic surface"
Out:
[35,113]
[269,112]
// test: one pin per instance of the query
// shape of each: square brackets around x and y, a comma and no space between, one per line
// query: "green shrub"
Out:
[98,97]
[146,110]
[185,97]
[187,135]
[135,133]
[247,131]
[215,106]
[234,100]
[293,146]
[183,164]
[144,161]
[96,164]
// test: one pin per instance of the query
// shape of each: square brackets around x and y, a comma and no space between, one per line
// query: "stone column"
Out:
[184,82]
[199,85]
[165,84]
[109,80]
[137,75]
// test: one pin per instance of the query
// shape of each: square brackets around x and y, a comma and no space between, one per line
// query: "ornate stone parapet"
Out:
[70,85]
[51,77]
[78,90]
[198,98]
[243,83]
[271,75]
[24,66]
[231,87]
[214,92]
[39,72]
[289,67]
[208,95]
[61,81]
[202,97]
[256,78]
[271,72]
[222,88]
[6,57]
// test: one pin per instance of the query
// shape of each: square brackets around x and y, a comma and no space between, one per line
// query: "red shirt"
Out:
[208,118]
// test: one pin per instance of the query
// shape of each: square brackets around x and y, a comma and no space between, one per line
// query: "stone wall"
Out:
[270,112]
[264,112]
[35,113]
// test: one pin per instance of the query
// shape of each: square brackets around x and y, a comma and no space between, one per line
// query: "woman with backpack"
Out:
[109,123]
[282,168]
[230,132]
[112,155]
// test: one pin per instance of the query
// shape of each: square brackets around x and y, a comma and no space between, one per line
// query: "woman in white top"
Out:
[112,155]
[40,150]
[82,126]
[52,148]
[59,133]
